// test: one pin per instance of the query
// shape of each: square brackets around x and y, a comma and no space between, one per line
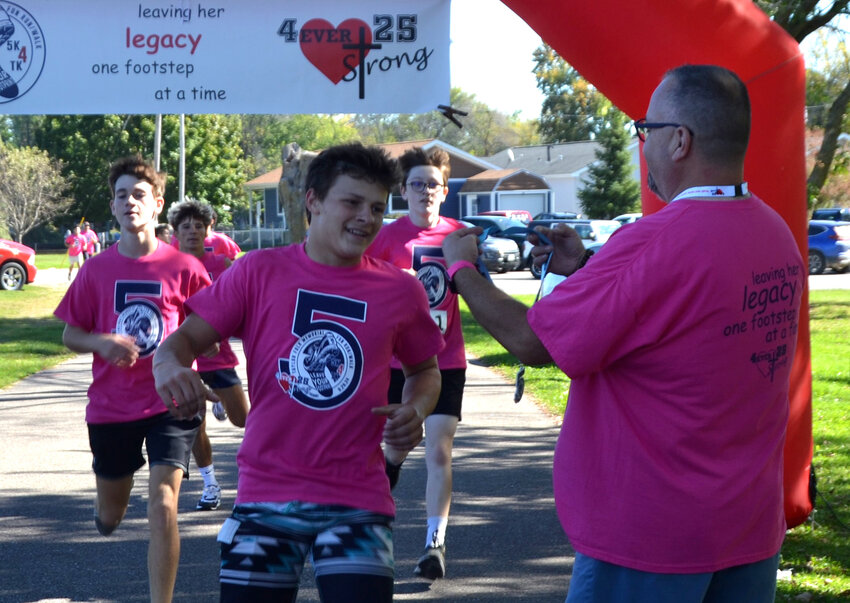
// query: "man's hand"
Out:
[181,390]
[462,245]
[403,429]
[117,350]
[566,249]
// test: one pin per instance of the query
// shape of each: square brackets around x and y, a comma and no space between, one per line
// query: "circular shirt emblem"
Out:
[323,363]
[142,323]
[22,51]
[435,280]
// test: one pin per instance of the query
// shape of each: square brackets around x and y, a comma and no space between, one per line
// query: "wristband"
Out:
[459,265]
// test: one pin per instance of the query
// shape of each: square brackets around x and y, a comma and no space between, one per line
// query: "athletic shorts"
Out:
[220,378]
[451,393]
[595,581]
[264,545]
[117,447]
[75,259]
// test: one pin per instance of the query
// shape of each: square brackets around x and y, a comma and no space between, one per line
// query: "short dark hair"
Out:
[141,169]
[191,209]
[713,102]
[418,156]
[351,159]
[162,229]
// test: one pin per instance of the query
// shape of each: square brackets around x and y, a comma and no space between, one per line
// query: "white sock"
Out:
[438,525]
[208,473]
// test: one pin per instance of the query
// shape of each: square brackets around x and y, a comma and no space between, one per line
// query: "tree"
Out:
[610,189]
[572,108]
[485,131]
[265,136]
[801,18]
[31,190]
[88,144]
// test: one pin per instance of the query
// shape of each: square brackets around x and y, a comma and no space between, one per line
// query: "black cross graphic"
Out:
[362,47]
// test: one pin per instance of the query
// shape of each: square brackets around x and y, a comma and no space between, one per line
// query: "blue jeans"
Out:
[595,581]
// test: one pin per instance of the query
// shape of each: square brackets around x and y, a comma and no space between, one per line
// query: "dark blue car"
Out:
[829,246]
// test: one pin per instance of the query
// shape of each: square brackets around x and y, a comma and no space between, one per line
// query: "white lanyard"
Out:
[736,190]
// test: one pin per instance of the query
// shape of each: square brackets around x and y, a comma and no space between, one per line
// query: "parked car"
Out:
[558,215]
[17,265]
[592,230]
[593,233]
[508,229]
[837,214]
[499,255]
[628,218]
[829,246]
[522,215]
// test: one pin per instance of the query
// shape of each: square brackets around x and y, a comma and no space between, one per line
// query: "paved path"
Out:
[504,541]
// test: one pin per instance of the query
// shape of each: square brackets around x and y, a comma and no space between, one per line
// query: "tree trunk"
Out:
[291,189]
[832,128]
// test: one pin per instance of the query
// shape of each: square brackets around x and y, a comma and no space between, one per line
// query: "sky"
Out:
[494,62]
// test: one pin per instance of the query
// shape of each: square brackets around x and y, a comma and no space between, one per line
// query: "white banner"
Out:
[223,56]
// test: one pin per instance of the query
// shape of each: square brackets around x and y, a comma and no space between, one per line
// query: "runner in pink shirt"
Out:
[121,306]
[414,243]
[320,324]
[191,221]
[75,243]
[92,243]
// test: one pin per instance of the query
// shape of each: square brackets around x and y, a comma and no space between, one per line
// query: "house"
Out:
[563,165]
[475,185]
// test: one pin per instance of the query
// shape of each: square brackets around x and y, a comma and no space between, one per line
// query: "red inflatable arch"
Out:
[625,47]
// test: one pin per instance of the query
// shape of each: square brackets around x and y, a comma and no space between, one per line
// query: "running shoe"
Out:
[210,499]
[432,564]
[219,412]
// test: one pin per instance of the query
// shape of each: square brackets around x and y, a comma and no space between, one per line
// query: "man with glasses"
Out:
[678,337]
[414,243]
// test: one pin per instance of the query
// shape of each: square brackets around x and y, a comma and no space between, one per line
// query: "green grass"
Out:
[51,259]
[30,337]
[819,557]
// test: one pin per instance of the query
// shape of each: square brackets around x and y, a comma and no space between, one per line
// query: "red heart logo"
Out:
[322,44]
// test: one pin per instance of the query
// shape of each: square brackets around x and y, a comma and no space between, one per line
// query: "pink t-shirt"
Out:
[76,244]
[318,341]
[407,246]
[678,338]
[139,297]
[226,358]
[91,241]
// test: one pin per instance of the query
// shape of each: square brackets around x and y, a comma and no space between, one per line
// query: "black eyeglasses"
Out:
[642,127]
[419,186]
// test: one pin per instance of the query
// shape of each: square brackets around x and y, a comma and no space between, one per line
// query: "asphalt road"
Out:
[504,541]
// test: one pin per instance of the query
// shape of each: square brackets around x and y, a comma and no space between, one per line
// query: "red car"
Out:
[17,265]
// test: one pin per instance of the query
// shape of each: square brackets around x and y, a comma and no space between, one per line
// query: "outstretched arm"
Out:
[179,387]
[501,315]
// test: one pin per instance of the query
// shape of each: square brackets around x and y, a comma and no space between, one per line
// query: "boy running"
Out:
[320,324]
[122,304]
[191,221]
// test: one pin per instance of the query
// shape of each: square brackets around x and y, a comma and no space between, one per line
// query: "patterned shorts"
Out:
[265,545]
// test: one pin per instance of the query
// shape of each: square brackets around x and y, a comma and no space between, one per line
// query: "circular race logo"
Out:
[436,282]
[143,323]
[22,51]
[323,365]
